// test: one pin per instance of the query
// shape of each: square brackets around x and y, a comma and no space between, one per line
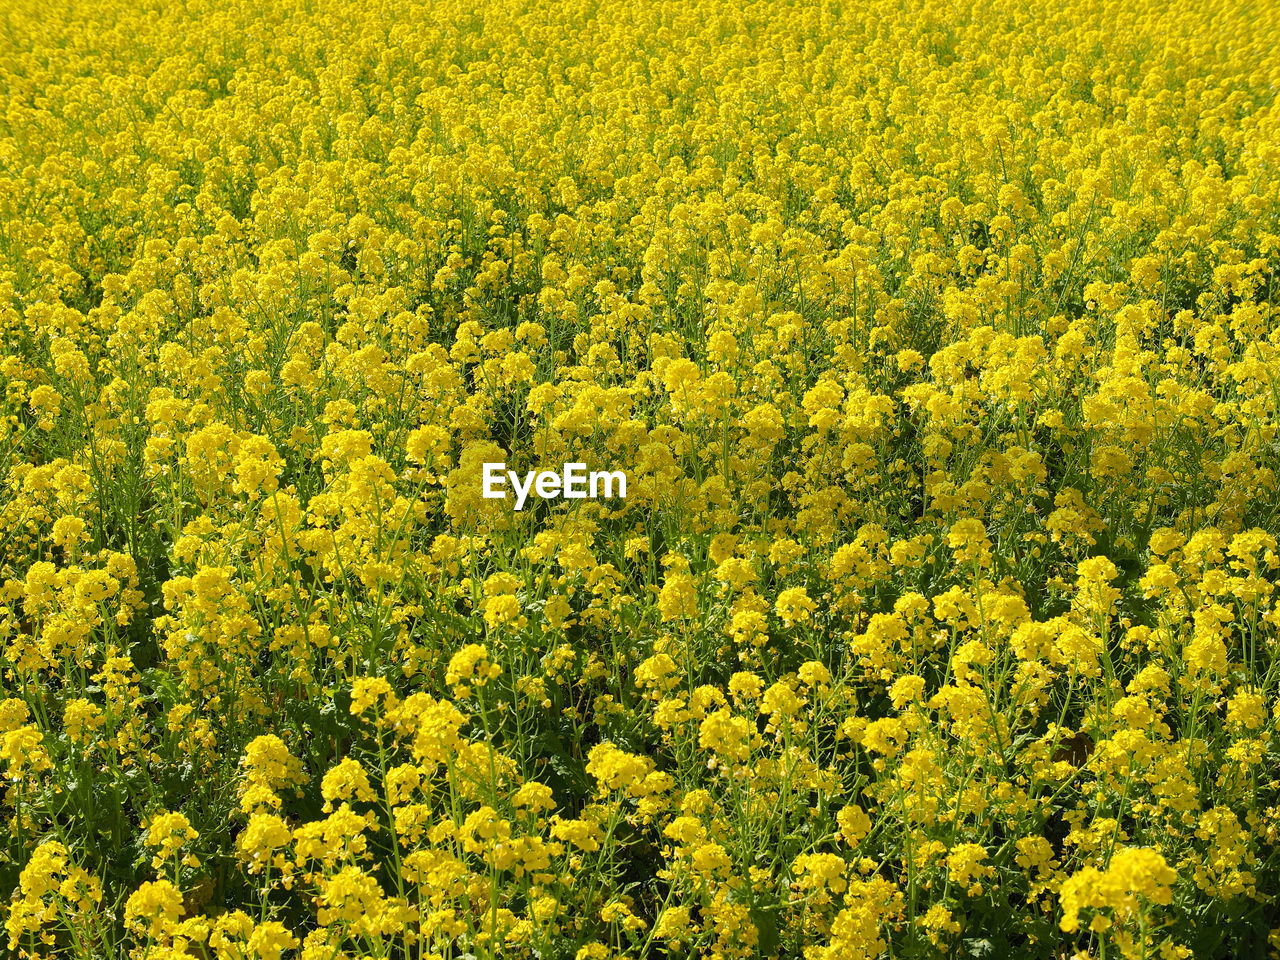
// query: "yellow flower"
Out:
[471,666]
[345,781]
[168,833]
[154,908]
[794,606]
[1135,875]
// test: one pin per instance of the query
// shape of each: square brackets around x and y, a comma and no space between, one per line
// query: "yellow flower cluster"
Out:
[935,340]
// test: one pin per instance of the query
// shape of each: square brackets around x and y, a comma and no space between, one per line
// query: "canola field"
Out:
[938,342]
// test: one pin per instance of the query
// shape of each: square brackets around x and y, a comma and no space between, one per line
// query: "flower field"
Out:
[938,343]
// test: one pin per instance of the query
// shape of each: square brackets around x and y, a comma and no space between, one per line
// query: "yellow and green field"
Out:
[938,342]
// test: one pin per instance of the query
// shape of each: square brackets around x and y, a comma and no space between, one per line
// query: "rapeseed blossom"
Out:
[937,345]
